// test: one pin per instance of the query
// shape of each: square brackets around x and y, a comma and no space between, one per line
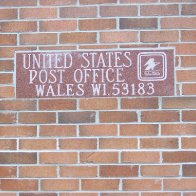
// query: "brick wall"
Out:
[102,146]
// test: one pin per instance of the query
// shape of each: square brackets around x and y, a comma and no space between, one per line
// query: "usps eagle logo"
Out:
[152,66]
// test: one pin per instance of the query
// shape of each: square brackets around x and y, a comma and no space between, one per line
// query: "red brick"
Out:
[189,116]
[77,144]
[143,45]
[38,38]
[138,23]
[97,24]
[188,9]
[8,40]
[7,172]
[78,12]
[160,170]
[159,36]
[38,194]
[9,52]
[99,185]
[57,2]
[160,116]
[9,144]
[178,129]
[159,143]
[180,1]
[178,23]
[118,171]
[71,47]
[161,194]
[189,89]
[188,36]
[37,117]
[189,142]
[87,2]
[98,130]
[117,36]
[58,157]
[99,157]
[57,104]
[8,14]
[79,194]
[36,13]
[7,92]
[179,102]
[17,131]
[7,118]
[179,184]
[6,65]
[184,48]
[117,143]
[138,1]
[115,11]
[189,170]
[186,75]
[18,26]
[60,185]
[6,78]
[19,185]
[78,37]
[141,184]
[37,171]
[117,116]
[189,194]
[76,117]
[178,90]
[58,25]
[138,130]
[18,158]
[58,130]
[78,171]
[18,3]
[188,61]
[140,157]
[17,105]
[178,157]
[178,62]
[98,104]
[139,103]
[37,144]
[120,194]
[105,46]
[157,10]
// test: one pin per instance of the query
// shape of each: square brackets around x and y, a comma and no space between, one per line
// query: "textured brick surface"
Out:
[27,13]
[78,37]
[123,146]
[18,158]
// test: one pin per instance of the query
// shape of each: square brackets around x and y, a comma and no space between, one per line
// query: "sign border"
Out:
[98,50]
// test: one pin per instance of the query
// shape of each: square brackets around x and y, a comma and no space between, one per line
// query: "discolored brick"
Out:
[78,12]
[18,158]
[138,23]
[76,117]
[189,170]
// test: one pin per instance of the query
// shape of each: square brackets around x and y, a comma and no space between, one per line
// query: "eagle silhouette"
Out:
[151,64]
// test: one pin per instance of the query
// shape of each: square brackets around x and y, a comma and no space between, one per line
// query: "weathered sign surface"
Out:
[115,73]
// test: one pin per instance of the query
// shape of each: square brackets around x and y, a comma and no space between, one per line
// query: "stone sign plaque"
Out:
[80,74]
